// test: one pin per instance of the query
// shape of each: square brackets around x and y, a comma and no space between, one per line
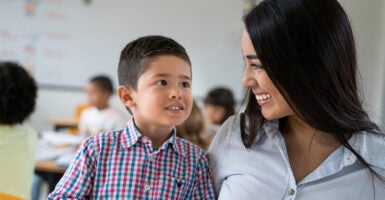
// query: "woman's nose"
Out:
[248,80]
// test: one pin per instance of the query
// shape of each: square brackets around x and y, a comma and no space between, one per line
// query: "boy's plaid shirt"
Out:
[123,165]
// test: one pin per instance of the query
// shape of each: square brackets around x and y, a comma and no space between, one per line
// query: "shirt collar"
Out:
[132,136]
[369,145]
[270,128]
[176,145]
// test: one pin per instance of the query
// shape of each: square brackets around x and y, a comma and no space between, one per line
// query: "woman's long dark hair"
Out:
[308,51]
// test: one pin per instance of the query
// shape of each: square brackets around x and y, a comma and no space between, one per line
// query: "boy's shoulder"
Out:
[189,149]
[108,139]
[123,139]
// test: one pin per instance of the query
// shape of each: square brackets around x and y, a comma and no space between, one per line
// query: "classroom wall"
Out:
[61,104]
[368,20]
[382,83]
[209,30]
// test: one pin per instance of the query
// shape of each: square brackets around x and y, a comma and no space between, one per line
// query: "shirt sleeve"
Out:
[204,184]
[78,179]
[218,154]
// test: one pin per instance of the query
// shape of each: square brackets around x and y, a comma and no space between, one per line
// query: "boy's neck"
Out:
[157,135]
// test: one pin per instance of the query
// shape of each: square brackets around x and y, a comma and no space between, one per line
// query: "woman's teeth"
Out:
[261,97]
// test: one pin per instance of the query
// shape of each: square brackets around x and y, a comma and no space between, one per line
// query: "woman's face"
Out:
[272,103]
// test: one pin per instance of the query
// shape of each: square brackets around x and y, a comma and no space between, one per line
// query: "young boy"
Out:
[145,160]
[18,92]
[100,116]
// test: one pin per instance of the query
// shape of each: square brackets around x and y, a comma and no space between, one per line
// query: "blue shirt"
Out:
[264,172]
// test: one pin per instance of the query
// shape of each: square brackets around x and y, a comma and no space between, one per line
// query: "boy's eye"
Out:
[162,82]
[185,84]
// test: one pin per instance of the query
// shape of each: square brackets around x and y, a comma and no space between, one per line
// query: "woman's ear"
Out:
[125,95]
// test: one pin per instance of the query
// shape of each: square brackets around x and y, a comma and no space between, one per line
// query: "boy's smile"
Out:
[175,108]
[163,97]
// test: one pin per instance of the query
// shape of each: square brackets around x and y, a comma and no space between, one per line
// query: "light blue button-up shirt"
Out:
[264,172]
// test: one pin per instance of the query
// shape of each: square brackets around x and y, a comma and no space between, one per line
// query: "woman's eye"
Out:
[161,82]
[186,84]
[256,66]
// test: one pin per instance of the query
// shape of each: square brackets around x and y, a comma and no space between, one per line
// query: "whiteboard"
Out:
[65,42]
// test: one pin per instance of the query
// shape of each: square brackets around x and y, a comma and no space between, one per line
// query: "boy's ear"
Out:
[125,95]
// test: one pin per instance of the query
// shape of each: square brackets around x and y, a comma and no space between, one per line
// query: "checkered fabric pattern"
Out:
[123,165]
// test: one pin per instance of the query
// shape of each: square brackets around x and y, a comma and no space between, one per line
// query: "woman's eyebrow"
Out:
[252,57]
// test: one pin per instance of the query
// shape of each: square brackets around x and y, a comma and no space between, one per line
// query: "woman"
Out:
[304,133]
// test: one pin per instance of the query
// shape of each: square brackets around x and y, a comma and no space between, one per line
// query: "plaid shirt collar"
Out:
[131,136]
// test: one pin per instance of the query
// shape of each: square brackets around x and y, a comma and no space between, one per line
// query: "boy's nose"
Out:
[175,93]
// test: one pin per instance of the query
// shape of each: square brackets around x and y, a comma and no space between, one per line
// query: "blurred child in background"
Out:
[100,116]
[219,105]
[18,92]
[193,128]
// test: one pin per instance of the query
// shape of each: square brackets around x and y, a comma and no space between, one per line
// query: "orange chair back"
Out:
[4,196]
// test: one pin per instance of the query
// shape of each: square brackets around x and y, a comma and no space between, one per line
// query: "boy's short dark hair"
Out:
[18,91]
[135,57]
[103,82]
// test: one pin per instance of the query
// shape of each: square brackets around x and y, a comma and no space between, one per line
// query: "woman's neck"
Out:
[307,146]
[296,125]
[297,129]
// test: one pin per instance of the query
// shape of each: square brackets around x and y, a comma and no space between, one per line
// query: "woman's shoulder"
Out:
[228,135]
[230,127]
[371,147]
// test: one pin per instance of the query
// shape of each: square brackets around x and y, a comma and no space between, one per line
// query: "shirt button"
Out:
[147,188]
[291,192]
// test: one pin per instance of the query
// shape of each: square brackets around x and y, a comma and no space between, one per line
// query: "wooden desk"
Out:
[49,166]
[64,123]
[47,155]
[49,172]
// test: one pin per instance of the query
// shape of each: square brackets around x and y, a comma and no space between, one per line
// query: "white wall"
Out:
[368,21]
[382,83]
[65,42]
[382,110]
[209,30]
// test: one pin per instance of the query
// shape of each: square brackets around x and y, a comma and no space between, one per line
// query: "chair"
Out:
[4,196]
[70,124]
